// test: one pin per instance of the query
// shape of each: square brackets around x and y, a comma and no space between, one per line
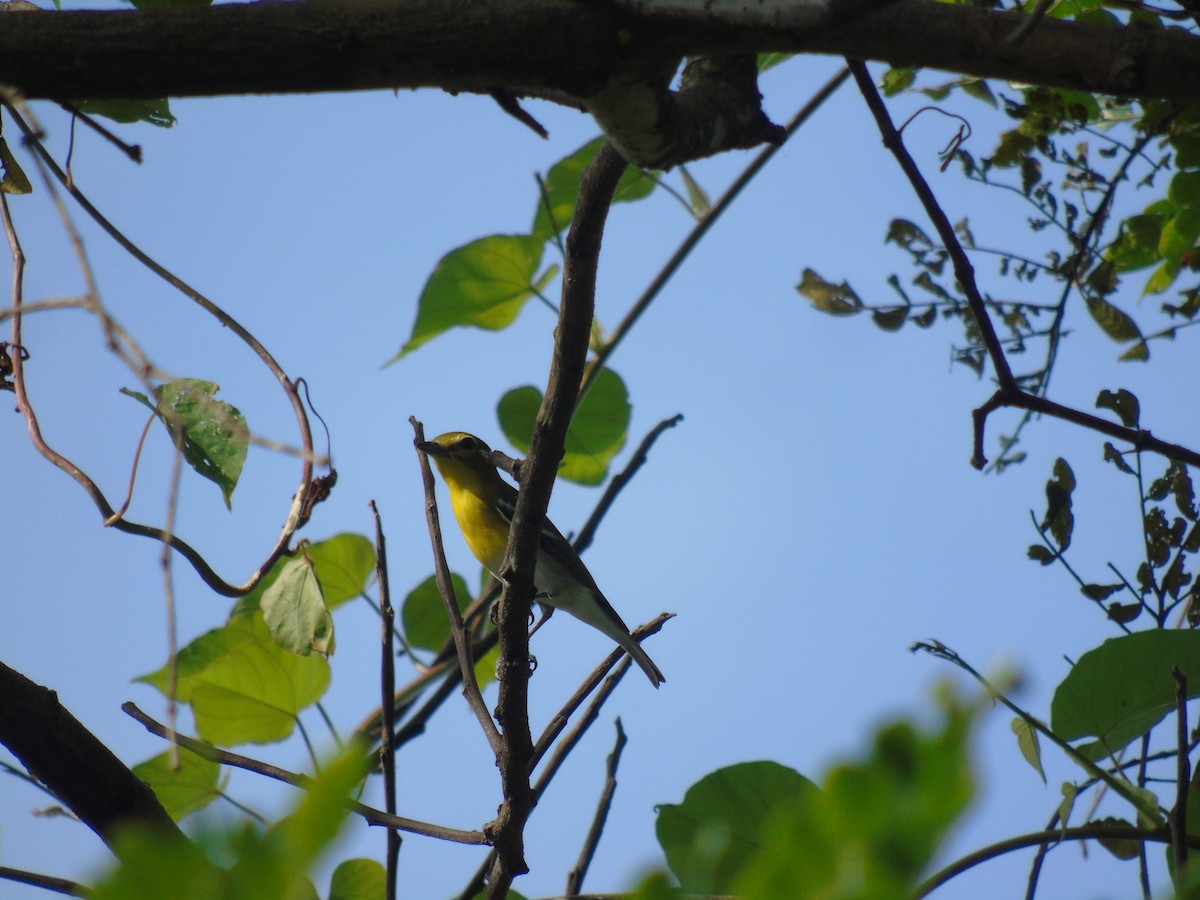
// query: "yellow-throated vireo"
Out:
[484,504]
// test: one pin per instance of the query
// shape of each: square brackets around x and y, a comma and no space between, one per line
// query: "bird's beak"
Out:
[431,448]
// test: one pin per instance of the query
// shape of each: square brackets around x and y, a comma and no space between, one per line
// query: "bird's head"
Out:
[458,452]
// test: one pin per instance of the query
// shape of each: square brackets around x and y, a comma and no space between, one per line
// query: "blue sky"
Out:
[813,515]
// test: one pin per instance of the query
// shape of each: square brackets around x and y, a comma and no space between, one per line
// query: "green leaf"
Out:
[771,60]
[877,825]
[344,564]
[562,190]
[1116,323]
[295,612]
[1123,403]
[1059,518]
[154,112]
[1027,742]
[215,437]
[244,687]
[697,195]
[1041,554]
[897,80]
[1124,687]
[835,299]
[358,879]
[1136,245]
[183,791]
[1100,591]
[597,432]
[1114,456]
[890,319]
[423,613]
[720,826]
[15,181]
[483,284]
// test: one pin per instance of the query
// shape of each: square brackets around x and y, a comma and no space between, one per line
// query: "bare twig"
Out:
[133,151]
[369,814]
[701,228]
[202,567]
[1009,392]
[1085,833]
[462,642]
[387,747]
[577,874]
[618,482]
[1183,778]
[559,721]
[45,882]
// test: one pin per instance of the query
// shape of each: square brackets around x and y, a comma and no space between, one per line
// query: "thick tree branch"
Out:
[596,189]
[68,759]
[558,48]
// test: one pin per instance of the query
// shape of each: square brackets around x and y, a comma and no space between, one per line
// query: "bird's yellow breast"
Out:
[482,525]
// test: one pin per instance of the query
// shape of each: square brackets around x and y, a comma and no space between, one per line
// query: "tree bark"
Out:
[69,760]
[562,49]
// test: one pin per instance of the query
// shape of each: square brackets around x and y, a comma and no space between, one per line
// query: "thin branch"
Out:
[701,228]
[1009,392]
[559,721]
[963,270]
[202,567]
[369,814]
[619,481]
[603,805]
[597,186]
[387,679]
[45,882]
[1183,778]
[462,642]
[1094,831]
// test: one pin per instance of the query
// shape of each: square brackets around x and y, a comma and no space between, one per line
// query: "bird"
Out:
[484,504]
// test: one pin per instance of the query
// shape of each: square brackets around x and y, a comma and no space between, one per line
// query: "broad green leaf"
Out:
[483,284]
[835,299]
[1029,745]
[244,687]
[562,190]
[345,564]
[154,112]
[322,809]
[423,613]
[358,879]
[597,432]
[1123,403]
[262,864]
[14,180]
[876,826]
[721,825]
[1124,687]
[156,864]
[183,791]
[215,437]
[294,609]
[1137,244]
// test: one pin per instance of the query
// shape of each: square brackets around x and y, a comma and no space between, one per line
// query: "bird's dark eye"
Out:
[468,444]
